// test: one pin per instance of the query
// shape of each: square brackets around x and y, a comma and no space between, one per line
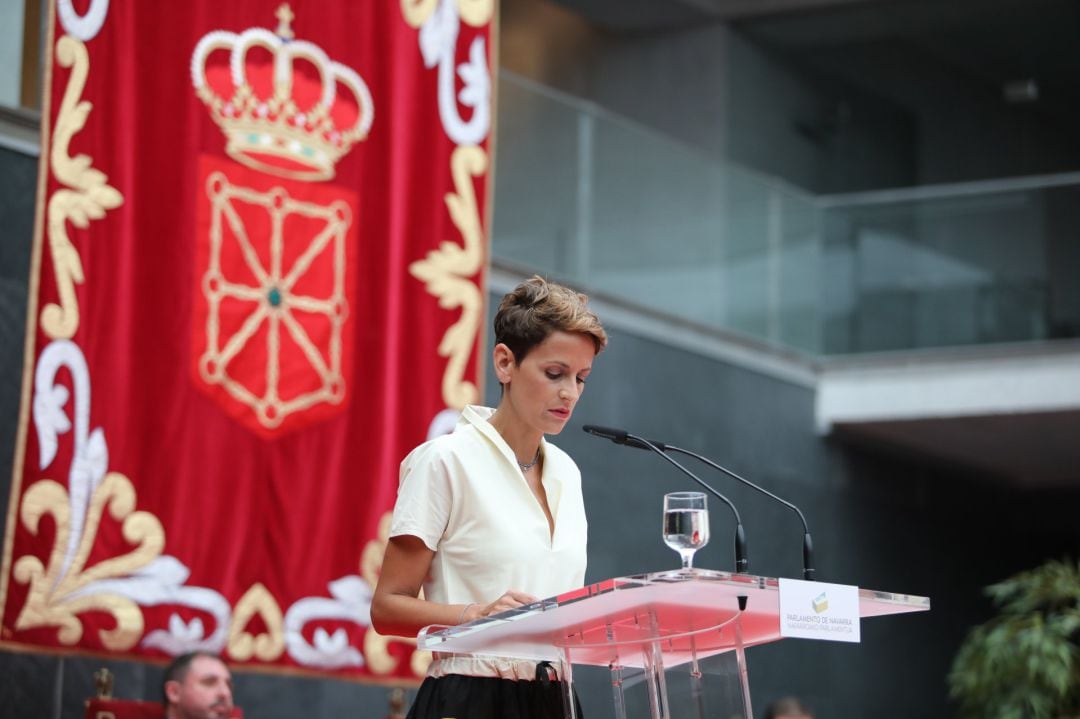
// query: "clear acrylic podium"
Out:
[677,630]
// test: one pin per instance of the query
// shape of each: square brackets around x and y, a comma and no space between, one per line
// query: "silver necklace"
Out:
[526,466]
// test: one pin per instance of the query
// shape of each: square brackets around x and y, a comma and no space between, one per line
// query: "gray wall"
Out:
[832,101]
[820,134]
[18,175]
[714,89]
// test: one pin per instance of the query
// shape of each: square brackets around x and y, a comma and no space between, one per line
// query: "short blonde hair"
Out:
[536,308]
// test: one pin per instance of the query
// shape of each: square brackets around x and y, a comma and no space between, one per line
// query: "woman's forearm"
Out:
[404,616]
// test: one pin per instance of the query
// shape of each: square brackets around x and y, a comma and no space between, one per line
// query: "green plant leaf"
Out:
[1025,662]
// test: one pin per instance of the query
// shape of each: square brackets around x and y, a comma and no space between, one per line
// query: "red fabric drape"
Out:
[259,283]
[131,709]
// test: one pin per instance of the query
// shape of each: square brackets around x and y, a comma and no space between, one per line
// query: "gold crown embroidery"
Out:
[293,116]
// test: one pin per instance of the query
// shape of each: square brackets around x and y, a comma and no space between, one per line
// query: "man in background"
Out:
[197,685]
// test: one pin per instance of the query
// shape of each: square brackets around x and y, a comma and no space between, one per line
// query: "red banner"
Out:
[257,283]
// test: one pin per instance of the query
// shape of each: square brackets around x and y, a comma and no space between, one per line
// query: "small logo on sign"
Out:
[820,603]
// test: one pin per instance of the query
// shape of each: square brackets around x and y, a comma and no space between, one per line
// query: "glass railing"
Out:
[620,210]
[991,262]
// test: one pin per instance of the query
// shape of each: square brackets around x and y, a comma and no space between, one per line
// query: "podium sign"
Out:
[656,622]
[817,610]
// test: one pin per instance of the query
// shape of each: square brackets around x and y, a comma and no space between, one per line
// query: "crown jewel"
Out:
[284,106]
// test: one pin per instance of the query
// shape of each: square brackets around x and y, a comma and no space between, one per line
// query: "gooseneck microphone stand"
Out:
[619,437]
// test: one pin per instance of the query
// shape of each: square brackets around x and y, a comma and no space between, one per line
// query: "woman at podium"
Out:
[490,517]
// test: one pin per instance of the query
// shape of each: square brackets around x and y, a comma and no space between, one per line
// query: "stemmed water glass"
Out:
[686,524]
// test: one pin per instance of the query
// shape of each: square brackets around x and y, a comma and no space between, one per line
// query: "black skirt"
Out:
[460,697]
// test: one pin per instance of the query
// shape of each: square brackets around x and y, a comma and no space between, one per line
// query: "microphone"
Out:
[622,437]
[619,436]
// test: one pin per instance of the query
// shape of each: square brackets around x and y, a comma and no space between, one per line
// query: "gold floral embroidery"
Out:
[446,272]
[417,12]
[65,588]
[56,596]
[474,12]
[90,197]
[266,646]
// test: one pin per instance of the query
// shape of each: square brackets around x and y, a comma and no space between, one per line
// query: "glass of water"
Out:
[686,524]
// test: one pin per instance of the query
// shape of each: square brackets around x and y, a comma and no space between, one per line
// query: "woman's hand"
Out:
[511,599]
[396,608]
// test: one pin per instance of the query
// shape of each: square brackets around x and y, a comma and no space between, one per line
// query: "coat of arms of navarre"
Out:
[276,244]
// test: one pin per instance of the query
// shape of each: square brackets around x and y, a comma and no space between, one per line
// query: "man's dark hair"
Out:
[178,669]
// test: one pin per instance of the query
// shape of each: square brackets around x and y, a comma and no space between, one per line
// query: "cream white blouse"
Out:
[464,496]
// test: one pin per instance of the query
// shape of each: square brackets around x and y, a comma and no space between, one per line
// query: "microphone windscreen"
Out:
[615,435]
